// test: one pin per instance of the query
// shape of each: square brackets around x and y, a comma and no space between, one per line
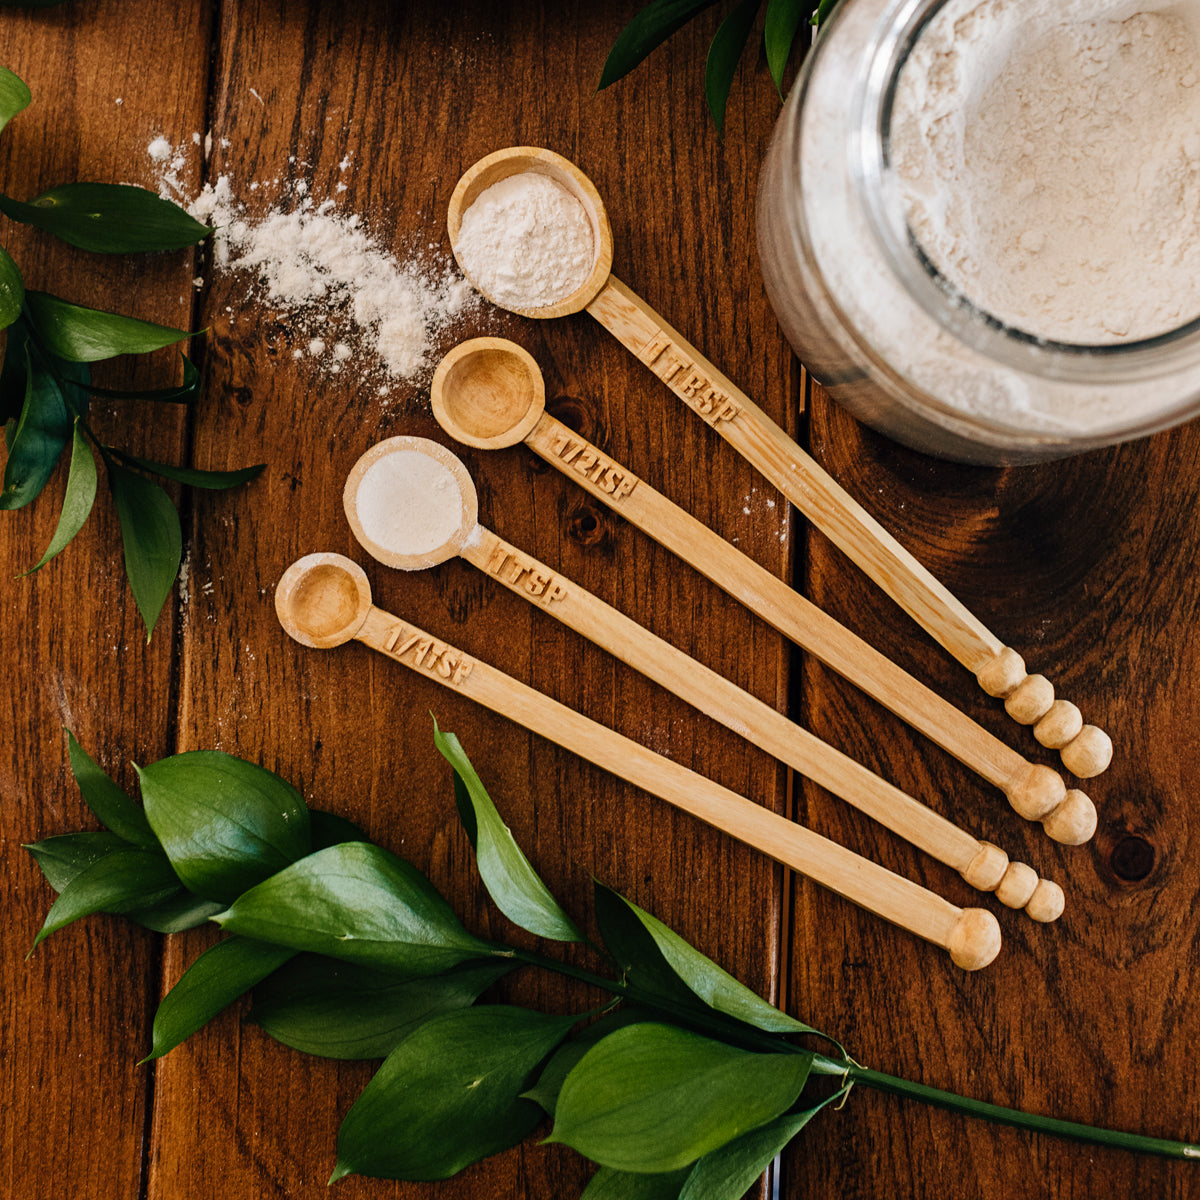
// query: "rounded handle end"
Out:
[1074,821]
[975,939]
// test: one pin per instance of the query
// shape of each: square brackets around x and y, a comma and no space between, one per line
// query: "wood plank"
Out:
[412,99]
[1085,567]
[74,1019]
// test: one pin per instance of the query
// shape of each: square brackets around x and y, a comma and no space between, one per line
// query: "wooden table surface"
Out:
[1087,567]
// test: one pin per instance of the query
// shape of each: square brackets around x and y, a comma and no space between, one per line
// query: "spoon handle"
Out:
[1014,883]
[1085,749]
[1034,791]
[972,936]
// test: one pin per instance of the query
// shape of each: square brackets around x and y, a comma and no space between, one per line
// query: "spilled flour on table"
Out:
[342,294]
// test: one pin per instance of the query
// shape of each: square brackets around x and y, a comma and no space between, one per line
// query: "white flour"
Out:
[526,242]
[342,292]
[408,503]
[1049,157]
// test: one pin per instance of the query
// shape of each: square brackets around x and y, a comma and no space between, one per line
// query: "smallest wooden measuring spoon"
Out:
[324,600]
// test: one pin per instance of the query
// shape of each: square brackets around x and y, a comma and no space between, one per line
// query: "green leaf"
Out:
[717,988]
[40,436]
[213,982]
[14,96]
[328,829]
[177,912]
[12,290]
[608,1184]
[180,393]
[653,1097]
[729,1172]
[449,1095]
[646,32]
[215,480]
[78,500]
[511,882]
[225,824]
[359,903]
[109,218]
[343,1010]
[112,806]
[822,11]
[152,537]
[779,35]
[63,857]
[120,881]
[88,334]
[723,54]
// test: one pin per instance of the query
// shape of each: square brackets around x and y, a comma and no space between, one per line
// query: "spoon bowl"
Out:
[411,503]
[323,600]
[517,160]
[488,393]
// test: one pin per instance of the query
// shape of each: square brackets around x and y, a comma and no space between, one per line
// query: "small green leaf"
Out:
[175,913]
[717,988]
[511,882]
[63,857]
[779,35]
[608,1184]
[109,218]
[822,12]
[12,290]
[653,1097]
[181,393]
[78,500]
[449,1094]
[152,537]
[729,1172]
[646,32]
[359,903]
[225,824]
[120,881]
[723,54]
[88,334]
[215,480]
[213,982]
[14,96]
[112,806]
[40,435]
[343,1010]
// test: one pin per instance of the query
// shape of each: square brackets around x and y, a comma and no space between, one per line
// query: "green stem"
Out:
[853,1073]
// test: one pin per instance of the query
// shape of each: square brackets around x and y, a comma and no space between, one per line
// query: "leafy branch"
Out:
[660,19]
[45,379]
[683,1085]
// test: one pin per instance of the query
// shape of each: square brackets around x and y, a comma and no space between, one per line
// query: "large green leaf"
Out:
[329,829]
[81,334]
[717,988]
[213,982]
[41,433]
[14,96]
[343,1010]
[118,882]
[511,882]
[12,290]
[225,824]
[608,1184]
[360,903]
[112,806]
[723,55]
[654,1097]
[77,501]
[152,538]
[779,35]
[646,32]
[110,218]
[449,1094]
[213,480]
[729,1172]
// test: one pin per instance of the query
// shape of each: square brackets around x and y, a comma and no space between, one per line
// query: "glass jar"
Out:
[869,315]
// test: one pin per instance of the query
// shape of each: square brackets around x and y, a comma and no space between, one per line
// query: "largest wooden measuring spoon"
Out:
[489,393]
[324,600]
[1029,699]
[406,492]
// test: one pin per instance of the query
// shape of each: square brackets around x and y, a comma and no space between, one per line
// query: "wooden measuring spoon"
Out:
[489,393]
[366,502]
[324,600]
[1000,670]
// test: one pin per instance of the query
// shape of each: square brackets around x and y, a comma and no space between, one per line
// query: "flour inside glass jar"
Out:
[1048,156]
